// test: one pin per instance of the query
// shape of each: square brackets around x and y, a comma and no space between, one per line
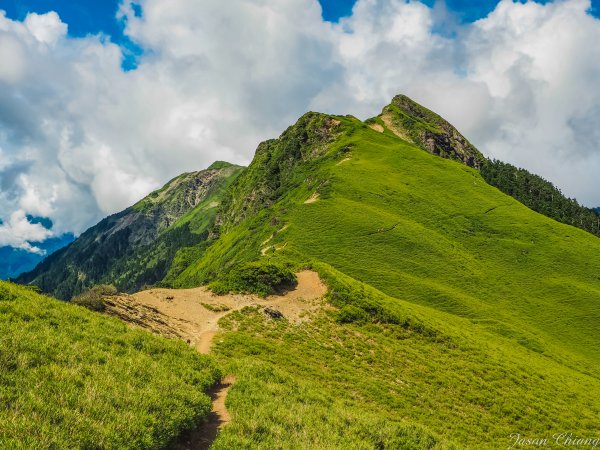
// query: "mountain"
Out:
[465,313]
[136,246]
[455,314]
[157,239]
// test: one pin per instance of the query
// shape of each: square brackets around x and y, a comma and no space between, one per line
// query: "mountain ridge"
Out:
[133,247]
[272,173]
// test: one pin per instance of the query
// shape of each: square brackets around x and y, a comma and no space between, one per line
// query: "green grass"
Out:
[326,385]
[485,311]
[456,317]
[71,378]
[433,233]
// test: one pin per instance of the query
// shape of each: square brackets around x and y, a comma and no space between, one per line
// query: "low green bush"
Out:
[352,314]
[255,278]
[93,298]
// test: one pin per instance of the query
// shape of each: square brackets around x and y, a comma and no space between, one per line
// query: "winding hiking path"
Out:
[202,437]
[193,315]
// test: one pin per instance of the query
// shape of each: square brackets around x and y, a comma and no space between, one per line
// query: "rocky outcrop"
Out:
[422,127]
[145,316]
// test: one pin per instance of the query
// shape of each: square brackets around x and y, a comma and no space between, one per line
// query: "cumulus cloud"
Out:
[18,232]
[46,28]
[80,138]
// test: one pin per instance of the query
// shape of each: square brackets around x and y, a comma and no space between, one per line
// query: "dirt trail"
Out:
[202,437]
[193,315]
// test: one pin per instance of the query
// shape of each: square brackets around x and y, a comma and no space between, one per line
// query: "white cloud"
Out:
[46,28]
[18,232]
[80,138]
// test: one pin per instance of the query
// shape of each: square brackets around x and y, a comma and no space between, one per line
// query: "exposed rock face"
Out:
[144,316]
[136,246]
[422,127]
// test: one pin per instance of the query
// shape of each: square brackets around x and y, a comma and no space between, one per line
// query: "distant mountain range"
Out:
[15,261]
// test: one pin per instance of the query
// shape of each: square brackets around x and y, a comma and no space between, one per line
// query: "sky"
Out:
[102,102]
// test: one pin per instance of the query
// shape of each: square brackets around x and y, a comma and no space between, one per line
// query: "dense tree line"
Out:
[540,195]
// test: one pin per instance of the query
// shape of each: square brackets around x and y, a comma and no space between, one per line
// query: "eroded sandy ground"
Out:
[193,314]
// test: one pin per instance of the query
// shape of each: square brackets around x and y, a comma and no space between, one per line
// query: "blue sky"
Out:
[99,16]
[467,10]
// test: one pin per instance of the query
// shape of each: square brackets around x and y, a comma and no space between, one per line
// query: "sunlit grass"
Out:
[71,378]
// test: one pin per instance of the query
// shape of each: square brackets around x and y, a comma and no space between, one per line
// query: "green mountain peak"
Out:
[219,165]
[424,128]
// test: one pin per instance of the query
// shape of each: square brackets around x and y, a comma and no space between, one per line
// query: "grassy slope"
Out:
[70,378]
[458,245]
[509,300]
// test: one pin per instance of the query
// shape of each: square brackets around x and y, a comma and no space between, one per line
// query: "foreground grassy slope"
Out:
[439,383]
[70,378]
[490,309]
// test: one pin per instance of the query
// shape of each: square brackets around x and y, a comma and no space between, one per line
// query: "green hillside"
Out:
[136,246]
[70,378]
[418,228]
[480,313]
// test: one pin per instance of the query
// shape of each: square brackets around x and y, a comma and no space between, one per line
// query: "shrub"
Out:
[352,314]
[93,298]
[255,278]
[216,308]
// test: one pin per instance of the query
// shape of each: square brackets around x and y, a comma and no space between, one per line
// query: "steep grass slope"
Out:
[427,230]
[470,315]
[136,246]
[70,378]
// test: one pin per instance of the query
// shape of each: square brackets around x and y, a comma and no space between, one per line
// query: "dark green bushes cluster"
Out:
[255,278]
[93,298]
[540,195]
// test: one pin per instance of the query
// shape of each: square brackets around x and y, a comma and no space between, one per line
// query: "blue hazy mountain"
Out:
[15,261]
